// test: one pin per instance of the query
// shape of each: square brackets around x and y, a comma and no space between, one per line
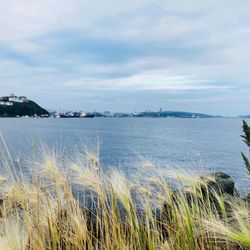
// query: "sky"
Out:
[130,55]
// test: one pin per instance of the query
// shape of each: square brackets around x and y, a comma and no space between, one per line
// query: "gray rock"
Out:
[247,198]
[223,183]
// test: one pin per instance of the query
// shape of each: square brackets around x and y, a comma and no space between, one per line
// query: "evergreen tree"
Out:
[246,137]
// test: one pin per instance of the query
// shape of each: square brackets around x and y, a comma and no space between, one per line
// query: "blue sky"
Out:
[128,55]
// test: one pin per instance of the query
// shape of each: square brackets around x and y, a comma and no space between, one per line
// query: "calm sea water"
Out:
[198,144]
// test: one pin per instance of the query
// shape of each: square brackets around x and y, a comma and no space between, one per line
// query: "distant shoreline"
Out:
[123,117]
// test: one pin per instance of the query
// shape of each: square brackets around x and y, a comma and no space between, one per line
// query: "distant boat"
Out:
[76,115]
[56,115]
[89,115]
[69,115]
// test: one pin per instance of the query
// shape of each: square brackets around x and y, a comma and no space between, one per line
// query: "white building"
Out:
[15,99]
[6,103]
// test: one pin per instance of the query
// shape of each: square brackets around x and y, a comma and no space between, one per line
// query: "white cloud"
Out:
[156,81]
[184,46]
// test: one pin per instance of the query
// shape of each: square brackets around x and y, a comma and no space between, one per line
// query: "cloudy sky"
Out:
[129,55]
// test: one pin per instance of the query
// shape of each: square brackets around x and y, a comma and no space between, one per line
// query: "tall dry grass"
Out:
[74,204]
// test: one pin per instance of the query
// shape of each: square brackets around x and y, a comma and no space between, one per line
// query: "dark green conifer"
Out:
[246,139]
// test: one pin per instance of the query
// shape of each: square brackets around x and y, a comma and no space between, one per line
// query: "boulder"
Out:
[247,198]
[222,183]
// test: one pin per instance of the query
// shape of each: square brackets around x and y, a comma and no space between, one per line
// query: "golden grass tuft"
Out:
[74,204]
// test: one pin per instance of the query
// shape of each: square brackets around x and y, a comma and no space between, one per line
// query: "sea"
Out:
[130,144]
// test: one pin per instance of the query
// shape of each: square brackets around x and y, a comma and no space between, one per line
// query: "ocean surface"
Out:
[126,143]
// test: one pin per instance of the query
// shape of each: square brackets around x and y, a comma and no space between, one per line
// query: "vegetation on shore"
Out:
[246,139]
[28,108]
[73,204]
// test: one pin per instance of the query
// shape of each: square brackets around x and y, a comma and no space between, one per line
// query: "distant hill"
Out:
[177,114]
[244,116]
[13,106]
[161,114]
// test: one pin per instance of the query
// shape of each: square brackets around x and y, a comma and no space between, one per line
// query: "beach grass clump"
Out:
[74,204]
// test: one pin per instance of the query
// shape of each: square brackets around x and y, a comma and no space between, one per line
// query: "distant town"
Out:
[153,114]
[21,106]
